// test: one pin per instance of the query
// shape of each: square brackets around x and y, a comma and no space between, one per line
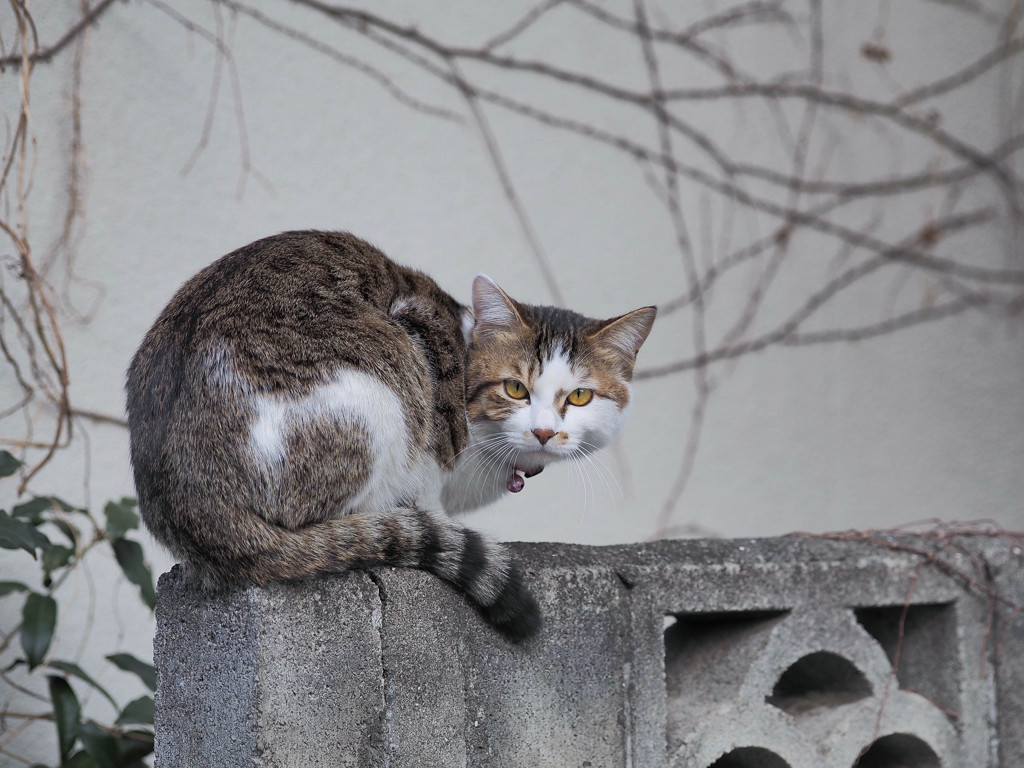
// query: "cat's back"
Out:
[285,309]
[281,317]
[294,282]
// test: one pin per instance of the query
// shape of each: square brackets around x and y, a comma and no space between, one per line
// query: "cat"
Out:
[305,405]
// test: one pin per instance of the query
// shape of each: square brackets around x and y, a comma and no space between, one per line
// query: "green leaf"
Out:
[138,712]
[56,556]
[68,668]
[79,760]
[101,746]
[34,507]
[34,512]
[121,518]
[39,619]
[8,464]
[133,563]
[135,745]
[127,662]
[67,714]
[6,587]
[16,534]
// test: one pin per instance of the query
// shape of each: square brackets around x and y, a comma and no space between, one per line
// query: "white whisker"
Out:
[493,459]
[589,497]
[596,461]
[474,446]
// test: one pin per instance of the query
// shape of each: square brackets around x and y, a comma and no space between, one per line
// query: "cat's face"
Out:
[545,384]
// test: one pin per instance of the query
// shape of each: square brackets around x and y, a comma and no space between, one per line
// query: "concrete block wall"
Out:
[781,653]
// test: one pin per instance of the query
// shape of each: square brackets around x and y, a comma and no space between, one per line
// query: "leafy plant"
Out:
[27,530]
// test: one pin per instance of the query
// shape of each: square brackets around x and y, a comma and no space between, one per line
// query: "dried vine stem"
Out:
[37,55]
[772,210]
[944,550]
[802,201]
[944,538]
[36,319]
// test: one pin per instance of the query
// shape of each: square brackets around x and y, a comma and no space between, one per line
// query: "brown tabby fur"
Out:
[272,323]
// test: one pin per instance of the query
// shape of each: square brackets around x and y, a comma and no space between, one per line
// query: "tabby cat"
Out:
[305,405]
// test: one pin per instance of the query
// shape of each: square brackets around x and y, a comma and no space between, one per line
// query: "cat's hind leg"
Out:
[344,482]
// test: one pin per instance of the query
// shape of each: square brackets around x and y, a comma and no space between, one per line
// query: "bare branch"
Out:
[44,55]
[993,58]
[498,162]
[530,18]
[345,60]
[814,302]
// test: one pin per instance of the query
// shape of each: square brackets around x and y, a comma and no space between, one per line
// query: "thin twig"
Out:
[44,55]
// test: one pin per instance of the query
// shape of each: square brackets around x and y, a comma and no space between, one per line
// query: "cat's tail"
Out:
[402,537]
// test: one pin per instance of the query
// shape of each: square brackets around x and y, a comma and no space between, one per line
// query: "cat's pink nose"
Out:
[544,435]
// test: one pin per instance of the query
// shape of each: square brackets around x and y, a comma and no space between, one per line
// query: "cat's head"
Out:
[545,383]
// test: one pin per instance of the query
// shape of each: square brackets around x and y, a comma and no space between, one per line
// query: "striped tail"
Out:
[409,538]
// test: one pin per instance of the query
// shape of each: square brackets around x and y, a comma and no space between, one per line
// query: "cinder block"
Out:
[283,677]
[1005,646]
[784,625]
[784,653]
[459,694]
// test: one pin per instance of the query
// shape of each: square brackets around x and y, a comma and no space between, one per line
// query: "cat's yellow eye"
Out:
[516,389]
[580,396]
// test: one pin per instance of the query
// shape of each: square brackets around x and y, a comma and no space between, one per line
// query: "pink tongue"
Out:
[515,483]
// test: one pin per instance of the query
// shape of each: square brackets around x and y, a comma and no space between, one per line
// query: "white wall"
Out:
[925,423]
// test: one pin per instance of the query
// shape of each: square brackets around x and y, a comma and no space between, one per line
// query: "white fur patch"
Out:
[577,428]
[266,436]
[549,391]
[397,475]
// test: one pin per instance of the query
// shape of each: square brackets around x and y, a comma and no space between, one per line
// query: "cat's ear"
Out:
[624,335]
[493,310]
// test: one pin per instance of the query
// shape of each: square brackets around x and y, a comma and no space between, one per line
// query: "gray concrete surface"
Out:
[734,654]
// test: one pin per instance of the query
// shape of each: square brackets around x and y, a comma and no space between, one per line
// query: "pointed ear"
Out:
[627,333]
[493,310]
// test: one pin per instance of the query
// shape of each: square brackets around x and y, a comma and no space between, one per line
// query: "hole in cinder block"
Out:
[899,750]
[707,656]
[925,657]
[821,679]
[750,757]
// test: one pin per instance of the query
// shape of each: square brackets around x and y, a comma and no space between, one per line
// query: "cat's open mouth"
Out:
[517,480]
